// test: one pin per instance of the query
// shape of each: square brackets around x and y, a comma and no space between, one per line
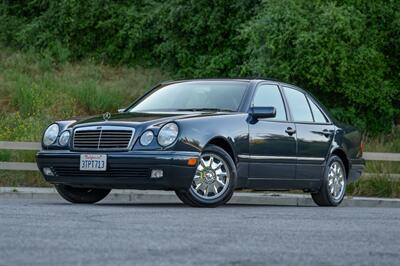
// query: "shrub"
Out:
[330,49]
[199,38]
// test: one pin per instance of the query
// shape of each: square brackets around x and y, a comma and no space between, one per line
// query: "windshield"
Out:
[194,96]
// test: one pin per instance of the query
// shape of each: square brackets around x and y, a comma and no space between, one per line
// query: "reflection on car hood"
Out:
[136,118]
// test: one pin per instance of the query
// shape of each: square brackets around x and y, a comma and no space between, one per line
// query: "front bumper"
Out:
[124,169]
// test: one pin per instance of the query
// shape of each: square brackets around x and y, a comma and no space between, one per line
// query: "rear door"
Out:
[272,143]
[314,134]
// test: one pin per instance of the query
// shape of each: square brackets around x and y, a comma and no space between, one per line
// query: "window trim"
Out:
[285,106]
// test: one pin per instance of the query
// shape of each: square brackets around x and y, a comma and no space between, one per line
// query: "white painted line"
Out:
[28,146]
[381,156]
[18,166]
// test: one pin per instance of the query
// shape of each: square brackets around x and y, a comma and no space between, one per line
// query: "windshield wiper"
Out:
[205,109]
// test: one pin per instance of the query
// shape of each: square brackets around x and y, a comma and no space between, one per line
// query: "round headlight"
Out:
[146,138]
[64,138]
[168,134]
[50,135]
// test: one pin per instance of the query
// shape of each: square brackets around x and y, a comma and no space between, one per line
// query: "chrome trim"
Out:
[101,128]
[311,159]
[260,157]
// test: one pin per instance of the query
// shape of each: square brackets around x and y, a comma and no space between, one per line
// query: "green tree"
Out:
[330,49]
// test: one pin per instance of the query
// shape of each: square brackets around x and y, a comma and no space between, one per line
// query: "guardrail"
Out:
[35,146]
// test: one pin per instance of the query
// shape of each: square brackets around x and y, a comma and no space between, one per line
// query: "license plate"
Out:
[93,162]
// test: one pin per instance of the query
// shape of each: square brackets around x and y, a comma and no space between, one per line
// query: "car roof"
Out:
[257,80]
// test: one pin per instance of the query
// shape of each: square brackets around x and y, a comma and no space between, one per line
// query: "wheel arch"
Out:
[224,144]
[343,156]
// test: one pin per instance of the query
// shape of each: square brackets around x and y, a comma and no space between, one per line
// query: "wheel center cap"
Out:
[209,176]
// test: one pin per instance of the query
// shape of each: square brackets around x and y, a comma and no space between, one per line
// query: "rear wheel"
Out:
[333,184]
[214,181]
[81,195]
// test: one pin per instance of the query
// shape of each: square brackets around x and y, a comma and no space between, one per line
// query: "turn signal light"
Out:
[192,162]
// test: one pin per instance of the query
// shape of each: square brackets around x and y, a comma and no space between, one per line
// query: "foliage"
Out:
[199,38]
[346,52]
[337,51]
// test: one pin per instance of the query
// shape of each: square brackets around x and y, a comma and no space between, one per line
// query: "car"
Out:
[204,139]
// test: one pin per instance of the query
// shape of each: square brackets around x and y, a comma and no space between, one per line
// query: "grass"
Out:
[378,186]
[34,91]
[385,142]
[22,179]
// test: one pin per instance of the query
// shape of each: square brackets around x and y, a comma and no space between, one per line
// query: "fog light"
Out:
[48,171]
[156,173]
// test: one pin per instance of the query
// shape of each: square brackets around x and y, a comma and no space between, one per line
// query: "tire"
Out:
[181,195]
[224,173]
[81,195]
[325,196]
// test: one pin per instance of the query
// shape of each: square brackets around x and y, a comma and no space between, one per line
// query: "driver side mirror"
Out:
[263,112]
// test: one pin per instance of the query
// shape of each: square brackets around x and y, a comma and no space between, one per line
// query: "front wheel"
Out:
[214,181]
[81,195]
[333,184]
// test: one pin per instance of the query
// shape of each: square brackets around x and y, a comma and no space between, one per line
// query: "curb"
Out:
[156,196]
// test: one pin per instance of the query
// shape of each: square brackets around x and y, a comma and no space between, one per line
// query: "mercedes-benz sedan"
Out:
[203,139]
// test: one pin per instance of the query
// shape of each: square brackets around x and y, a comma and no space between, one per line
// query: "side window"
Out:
[298,105]
[319,117]
[269,95]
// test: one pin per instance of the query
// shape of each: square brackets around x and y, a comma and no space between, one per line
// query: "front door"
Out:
[272,141]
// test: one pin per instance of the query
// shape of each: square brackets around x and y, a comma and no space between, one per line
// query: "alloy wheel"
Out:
[212,177]
[336,181]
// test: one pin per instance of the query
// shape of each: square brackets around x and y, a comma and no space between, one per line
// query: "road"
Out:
[53,232]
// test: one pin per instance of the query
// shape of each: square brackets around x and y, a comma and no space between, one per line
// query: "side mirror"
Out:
[263,112]
[121,110]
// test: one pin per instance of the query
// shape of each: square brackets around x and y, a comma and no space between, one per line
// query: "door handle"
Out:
[324,132]
[290,131]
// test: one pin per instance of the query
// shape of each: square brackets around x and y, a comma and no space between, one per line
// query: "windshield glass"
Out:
[194,96]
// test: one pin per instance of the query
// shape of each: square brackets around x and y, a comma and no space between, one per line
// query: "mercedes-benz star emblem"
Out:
[106,116]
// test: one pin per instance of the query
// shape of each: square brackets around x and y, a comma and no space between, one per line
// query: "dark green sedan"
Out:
[203,139]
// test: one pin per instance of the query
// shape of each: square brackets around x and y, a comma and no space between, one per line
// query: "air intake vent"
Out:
[103,138]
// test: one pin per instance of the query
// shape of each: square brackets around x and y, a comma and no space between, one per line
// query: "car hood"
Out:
[138,118]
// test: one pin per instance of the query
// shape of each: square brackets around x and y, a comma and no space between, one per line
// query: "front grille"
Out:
[103,138]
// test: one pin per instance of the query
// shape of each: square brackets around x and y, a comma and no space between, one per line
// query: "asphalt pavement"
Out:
[53,232]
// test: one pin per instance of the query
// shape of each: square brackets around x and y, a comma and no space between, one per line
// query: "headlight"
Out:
[146,138]
[64,138]
[168,134]
[50,135]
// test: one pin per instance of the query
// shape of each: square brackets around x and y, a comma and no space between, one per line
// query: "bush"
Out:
[331,49]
